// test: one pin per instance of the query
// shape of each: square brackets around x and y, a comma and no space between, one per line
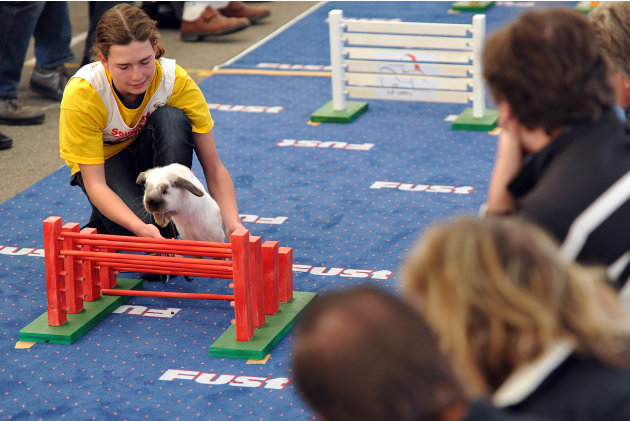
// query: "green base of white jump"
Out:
[77,324]
[326,114]
[584,7]
[471,6]
[466,121]
[266,337]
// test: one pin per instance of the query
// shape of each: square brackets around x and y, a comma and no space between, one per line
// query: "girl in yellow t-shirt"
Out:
[130,111]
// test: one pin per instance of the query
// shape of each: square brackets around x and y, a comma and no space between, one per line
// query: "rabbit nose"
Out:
[153,202]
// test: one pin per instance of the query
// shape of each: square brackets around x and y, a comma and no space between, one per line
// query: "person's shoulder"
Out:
[181,75]
[183,81]
[481,410]
[180,71]
[78,83]
[600,372]
[165,63]
[77,91]
[573,382]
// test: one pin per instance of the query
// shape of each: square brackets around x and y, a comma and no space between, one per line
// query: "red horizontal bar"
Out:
[130,239]
[160,266]
[159,248]
[121,267]
[164,294]
[120,257]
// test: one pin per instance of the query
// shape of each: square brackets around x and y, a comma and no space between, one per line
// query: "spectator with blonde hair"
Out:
[539,333]
[362,354]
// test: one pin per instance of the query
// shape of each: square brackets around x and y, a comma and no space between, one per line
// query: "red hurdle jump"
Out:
[81,265]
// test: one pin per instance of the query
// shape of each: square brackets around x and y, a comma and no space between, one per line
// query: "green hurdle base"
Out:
[326,114]
[466,121]
[471,6]
[93,312]
[266,337]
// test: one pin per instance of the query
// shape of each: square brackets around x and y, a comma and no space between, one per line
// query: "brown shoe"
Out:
[238,9]
[211,23]
[13,113]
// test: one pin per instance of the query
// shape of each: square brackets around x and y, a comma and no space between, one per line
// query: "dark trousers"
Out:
[47,22]
[166,139]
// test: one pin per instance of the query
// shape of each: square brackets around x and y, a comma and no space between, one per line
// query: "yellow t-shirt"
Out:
[84,117]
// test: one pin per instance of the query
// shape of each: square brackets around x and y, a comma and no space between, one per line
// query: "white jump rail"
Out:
[410,61]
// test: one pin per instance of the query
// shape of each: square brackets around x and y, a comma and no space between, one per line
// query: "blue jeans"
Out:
[166,139]
[48,22]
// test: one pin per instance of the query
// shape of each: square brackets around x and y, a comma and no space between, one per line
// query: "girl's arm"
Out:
[111,205]
[219,181]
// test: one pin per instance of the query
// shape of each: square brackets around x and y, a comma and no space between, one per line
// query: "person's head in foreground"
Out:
[545,70]
[498,294]
[611,23]
[362,354]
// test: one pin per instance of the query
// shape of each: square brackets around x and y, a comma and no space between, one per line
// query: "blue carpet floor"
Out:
[350,209]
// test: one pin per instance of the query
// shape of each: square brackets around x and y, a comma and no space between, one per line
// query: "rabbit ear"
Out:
[142,177]
[185,184]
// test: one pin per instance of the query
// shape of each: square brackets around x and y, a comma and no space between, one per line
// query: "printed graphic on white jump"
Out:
[325,144]
[225,379]
[429,188]
[246,108]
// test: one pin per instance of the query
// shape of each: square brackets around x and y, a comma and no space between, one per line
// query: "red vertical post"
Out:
[285,281]
[72,268]
[107,277]
[54,267]
[258,296]
[91,277]
[241,269]
[270,276]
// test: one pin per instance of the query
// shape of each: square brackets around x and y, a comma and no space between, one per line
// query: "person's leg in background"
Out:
[53,34]
[239,9]
[211,18]
[17,24]
[200,19]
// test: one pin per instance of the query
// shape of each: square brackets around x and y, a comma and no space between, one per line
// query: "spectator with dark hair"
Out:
[539,333]
[611,22]
[563,158]
[363,355]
